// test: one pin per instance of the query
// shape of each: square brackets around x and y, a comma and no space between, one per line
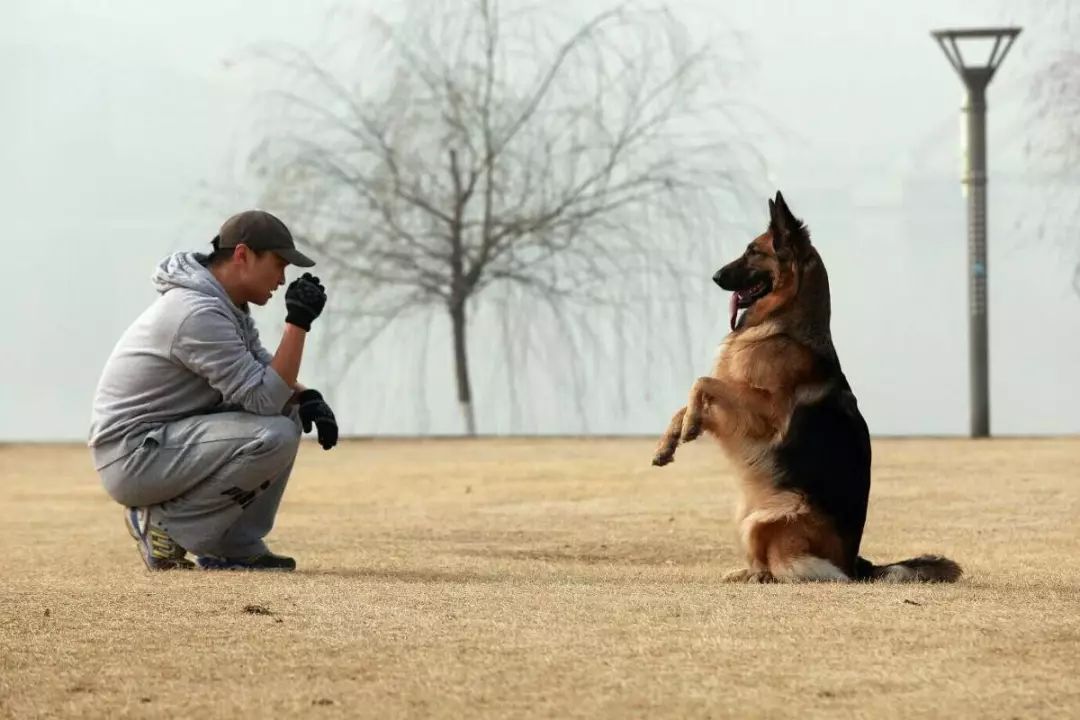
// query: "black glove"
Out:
[304,301]
[313,409]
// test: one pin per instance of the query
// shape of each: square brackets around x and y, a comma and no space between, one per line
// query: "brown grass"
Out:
[554,578]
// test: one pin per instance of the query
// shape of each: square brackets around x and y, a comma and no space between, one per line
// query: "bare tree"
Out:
[488,147]
[1054,139]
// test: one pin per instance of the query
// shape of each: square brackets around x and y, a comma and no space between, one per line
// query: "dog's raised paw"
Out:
[691,431]
[663,457]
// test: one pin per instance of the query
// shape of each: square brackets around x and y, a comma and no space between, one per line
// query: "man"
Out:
[195,426]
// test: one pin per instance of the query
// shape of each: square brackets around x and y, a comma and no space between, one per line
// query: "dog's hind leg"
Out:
[795,542]
[665,451]
[809,568]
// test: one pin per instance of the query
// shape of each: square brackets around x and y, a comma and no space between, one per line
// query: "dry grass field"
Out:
[547,578]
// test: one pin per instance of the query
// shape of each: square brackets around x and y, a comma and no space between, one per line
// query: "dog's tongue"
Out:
[733,308]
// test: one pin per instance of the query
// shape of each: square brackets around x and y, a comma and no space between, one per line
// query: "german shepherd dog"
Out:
[784,413]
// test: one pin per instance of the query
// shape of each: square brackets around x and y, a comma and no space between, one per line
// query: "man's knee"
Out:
[281,435]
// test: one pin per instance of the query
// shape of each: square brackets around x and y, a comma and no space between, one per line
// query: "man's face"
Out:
[262,275]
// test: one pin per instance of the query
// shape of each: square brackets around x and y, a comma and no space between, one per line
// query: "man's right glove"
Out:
[304,301]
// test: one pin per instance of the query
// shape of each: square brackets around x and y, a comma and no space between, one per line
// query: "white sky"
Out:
[119,132]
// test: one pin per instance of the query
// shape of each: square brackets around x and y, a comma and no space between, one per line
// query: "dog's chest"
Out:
[736,363]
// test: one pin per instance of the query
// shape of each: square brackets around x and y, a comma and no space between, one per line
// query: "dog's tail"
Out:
[925,568]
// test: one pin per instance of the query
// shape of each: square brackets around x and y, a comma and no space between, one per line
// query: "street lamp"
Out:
[976,77]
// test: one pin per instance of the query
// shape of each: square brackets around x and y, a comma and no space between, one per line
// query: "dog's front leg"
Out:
[665,451]
[705,390]
[729,411]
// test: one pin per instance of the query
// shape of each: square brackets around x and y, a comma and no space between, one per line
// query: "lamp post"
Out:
[976,78]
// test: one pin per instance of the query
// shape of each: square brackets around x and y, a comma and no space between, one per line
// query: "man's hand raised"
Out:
[305,299]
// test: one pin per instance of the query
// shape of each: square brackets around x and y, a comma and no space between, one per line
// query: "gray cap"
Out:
[260,230]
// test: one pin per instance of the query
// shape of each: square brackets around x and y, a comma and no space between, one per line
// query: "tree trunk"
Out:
[461,367]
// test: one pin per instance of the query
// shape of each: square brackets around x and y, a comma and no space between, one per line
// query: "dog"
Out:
[782,409]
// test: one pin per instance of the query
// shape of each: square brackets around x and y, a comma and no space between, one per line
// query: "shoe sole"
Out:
[131,528]
[209,562]
[242,568]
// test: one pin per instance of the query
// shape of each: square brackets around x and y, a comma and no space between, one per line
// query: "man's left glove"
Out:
[313,409]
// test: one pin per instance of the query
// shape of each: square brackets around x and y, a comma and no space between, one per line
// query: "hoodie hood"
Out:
[185,270]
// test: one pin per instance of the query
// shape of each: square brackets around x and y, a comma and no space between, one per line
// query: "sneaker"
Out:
[265,561]
[157,549]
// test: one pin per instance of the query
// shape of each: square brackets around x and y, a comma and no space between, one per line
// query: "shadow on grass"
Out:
[408,575]
[631,555]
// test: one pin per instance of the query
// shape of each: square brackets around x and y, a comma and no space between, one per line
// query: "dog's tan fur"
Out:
[766,368]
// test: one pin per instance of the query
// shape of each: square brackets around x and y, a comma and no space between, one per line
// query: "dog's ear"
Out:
[785,227]
[784,218]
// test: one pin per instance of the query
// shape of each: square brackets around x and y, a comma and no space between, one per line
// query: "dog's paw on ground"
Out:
[746,575]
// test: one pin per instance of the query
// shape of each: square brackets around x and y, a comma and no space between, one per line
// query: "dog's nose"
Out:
[716,278]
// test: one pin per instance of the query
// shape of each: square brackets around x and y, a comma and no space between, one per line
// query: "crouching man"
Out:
[195,426]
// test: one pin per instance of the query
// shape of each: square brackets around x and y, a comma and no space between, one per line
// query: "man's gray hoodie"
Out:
[192,352]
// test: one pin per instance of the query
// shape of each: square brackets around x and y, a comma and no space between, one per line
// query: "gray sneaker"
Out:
[157,549]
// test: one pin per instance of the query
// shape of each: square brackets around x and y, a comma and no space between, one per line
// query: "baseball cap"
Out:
[260,230]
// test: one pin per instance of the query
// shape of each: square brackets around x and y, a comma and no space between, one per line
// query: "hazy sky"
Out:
[119,136]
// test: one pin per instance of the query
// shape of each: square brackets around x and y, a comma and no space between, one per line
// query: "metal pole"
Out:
[978,340]
[976,78]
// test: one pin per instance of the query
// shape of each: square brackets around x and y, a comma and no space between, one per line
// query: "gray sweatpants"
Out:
[212,482]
